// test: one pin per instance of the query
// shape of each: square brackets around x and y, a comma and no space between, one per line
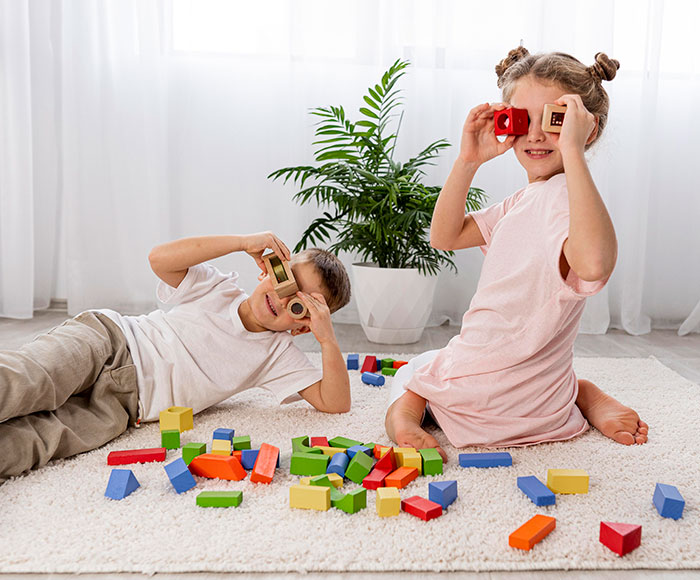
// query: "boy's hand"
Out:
[479,141]
[319,319]
[256,244]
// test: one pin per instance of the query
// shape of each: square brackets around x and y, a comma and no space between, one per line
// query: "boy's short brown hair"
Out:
[333,274]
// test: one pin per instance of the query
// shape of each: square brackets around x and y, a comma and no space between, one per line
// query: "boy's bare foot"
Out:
[609,416]
[403,424]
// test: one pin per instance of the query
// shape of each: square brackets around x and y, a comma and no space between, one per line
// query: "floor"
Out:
[682,354]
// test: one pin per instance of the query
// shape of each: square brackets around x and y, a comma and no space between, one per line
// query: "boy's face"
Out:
[270,311]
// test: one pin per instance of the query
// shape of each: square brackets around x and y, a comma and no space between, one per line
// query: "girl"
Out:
[507,379]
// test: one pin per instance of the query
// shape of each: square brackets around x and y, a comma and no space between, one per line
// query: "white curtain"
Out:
[124,123]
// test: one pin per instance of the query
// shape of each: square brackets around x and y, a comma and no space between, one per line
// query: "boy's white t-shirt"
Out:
[199,353]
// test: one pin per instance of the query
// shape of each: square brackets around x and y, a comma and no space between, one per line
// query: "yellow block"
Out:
[388,502]
[330,450]
[221,447]
[400,452]
[310,497]
[567,480]
[179,418]
[413,460]
[334,478]
[383,451]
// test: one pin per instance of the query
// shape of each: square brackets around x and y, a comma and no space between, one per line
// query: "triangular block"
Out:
[121,483]
[620,538]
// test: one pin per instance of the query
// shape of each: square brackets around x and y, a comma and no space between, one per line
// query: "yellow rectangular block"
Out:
[567,480]
[388,502]
[329,450]
[221,447]
[413,460]
[179,418]
[334,478]
[400,452]
[310,497]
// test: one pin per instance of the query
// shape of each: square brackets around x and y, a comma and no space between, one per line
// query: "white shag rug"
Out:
[57,519]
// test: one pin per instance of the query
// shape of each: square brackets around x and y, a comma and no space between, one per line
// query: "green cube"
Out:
[241,442]
[343,442]
[388,363]
[309,464]
[191,450]
[301,445]
[220,498]
[390,371]
[432,462]
[170,439]
[352,502]
[359,467]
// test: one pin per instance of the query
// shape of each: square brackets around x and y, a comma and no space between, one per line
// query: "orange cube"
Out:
[401,477]
[531,532]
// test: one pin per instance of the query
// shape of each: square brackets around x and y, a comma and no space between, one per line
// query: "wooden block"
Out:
[331,451]
[386,363]
[319,442]
[310,497]
[308,463]
[121,483]
[353,501]
[241,443]
[170,439]
[537,491]
[399,453]
[399,363]
[359,467]
[136,456]
[553,118]
[373,379]
[443,492]
[180,476]
[220,498]
[265,464]
[421,508]
[413,460]
[401,477]
[191,450]
[179,418]
[215,466]
[380,451]
[502,459]
[338,464]
[389,371]
[353,362]
[221,447]
[369,365]
[388,502]
[343,442]
[301,445]
[668,501]
[511,121]
[222,433]
[432,462]
[239,455]
[358,448]
[531,532]
[567,480]
[333,478]
[387,461]
[376,478]
[620,538]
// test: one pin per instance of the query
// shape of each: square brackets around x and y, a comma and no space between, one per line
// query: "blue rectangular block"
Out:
[442,492]
[668,501]
[180,475]
[225,434]
[249,456]
[537,491]
[502,459]
[372,379]
[358,449]
[353,362]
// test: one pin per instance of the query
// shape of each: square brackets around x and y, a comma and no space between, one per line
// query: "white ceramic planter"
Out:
[394,303]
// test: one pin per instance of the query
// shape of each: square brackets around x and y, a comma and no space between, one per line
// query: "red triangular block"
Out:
[620,538]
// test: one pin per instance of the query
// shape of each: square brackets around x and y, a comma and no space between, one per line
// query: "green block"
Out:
[359,467]
[241,442]
[308,464]
[371,446]
[432,462]
[387,363]
[301,445]
[343,442]
[390,371]
[220,498]
[352,502]
[191,450]
[170,439]
[322,480]
[336,496]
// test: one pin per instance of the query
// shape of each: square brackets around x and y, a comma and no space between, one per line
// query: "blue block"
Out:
[338,464]
[180,476]
[537,491]
[225,434]
[442,492]
[485,459]
[121,483]
[358,449]
[668,501]
[353,362]
[373,379]
[248,457]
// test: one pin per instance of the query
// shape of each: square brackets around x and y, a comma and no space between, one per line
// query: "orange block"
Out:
[399,363]
[401,477]
[217,467]
[265,464]
[238,454]
[531,532]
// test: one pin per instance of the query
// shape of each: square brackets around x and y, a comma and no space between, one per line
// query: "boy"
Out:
[81,385]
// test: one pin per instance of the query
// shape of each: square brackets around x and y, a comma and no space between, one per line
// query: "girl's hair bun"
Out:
[604,68]
[513,56]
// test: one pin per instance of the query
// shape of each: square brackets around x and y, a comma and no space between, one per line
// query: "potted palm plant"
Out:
[376,208]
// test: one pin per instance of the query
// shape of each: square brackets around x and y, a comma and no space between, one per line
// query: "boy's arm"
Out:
[170,261]
[332,393]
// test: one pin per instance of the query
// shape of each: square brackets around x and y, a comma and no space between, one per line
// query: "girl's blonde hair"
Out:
[564,70]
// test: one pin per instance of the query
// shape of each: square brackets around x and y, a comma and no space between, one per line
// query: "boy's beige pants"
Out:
[69,391]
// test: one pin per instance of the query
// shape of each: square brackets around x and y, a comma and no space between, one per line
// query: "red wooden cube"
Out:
[511,121]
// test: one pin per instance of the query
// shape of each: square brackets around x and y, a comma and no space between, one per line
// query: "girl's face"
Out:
[536,151]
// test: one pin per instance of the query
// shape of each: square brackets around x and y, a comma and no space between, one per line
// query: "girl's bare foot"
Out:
[609,416]
[403,424]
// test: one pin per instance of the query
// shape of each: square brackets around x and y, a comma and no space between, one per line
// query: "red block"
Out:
[387,462]
[376,478]
[217,467]
[264,468]
[136,456]
[421,508]
[511,121]
[369,365]
[320,441]
[620,538]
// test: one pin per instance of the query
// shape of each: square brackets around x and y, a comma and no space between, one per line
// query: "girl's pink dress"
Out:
[508,378]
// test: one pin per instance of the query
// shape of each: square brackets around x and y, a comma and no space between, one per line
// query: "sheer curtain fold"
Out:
[130,122]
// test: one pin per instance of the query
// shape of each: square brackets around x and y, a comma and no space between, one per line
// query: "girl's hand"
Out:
[256,244]
[479,141]
[579,128]
[319,318]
